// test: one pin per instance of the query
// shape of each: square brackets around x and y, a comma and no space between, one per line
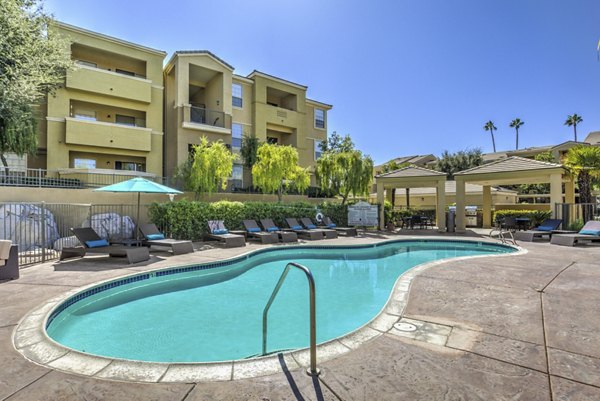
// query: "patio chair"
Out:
[254,231]
[347,231]
[284,236]
[9,260]
[416,221]
[217,231]
[309,225]
[92,243]
[589,232]
[153,237]
[311,235]
[544,229]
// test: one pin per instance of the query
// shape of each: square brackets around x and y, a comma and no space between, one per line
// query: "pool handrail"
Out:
[313,370]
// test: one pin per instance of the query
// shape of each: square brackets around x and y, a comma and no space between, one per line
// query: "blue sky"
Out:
[406,76]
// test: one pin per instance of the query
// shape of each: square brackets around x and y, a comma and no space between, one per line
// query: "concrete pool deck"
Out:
[517,327]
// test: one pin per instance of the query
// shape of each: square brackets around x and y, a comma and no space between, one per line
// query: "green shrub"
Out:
[188,220]
[536,216]
[576,225]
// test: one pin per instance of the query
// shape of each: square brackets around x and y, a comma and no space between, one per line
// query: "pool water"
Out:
[216,314]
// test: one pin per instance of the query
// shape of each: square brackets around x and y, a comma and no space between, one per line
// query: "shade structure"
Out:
[139,185]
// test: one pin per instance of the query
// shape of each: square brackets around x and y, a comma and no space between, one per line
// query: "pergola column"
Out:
[487,206]
[380,201]
[555,192]
[569,191]
[440,211]
[460,205]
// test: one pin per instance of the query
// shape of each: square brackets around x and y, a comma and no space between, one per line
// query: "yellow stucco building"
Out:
[204,98]
[108,116]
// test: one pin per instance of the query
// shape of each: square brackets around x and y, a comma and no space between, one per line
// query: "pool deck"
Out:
[522,327]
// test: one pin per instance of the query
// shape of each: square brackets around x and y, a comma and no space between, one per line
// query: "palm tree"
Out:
[584,162]
[489,126]
[516,124]
[572,121]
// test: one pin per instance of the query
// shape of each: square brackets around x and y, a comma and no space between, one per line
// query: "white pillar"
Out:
[460,205]
[380,200]
[555,192]
[487,206]
[440,211]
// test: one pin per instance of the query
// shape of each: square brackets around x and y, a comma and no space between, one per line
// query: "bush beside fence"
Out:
[188,220]
[535,216]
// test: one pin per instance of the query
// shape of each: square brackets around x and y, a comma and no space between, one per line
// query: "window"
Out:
[317,149]
[84,115]
[238,172]
[84,163]
[236,136]
[236,95]
[272,140]
[86,63]
[130,166]
[125,120]
[319,118]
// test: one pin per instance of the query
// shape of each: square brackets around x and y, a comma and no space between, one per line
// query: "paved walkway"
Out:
[514,328]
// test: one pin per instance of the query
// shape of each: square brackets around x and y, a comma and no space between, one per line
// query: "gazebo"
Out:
[414,177]
[509,171]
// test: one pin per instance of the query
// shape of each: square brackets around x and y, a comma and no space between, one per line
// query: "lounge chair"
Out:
[92,243]
[589,232]
[9,260]
[309,225]
[284,236]
[347,231]
[153,237]
[311,235]
[217,231]
[544,229]
[254,231]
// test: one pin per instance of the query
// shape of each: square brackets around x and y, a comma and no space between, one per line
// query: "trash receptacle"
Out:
[450,221]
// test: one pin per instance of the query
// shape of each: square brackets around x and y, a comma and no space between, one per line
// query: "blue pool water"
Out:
[215,314]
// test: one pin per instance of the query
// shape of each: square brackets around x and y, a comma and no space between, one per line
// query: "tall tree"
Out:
[489,126]
[276,169]
[337,143]
[572,121]
[208,168]
[249,150]
[345,173]
[516,124]
[451,163]
[33,63]
[584,162]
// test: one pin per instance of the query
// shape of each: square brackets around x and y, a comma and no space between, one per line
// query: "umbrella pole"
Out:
[137,221]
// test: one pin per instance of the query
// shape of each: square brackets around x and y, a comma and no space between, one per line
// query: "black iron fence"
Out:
[575,215]
[42,229]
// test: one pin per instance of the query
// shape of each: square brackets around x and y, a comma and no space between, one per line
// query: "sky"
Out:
[405,77]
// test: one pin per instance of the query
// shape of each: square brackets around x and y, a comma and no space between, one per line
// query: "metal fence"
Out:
[42,229]
[576,214]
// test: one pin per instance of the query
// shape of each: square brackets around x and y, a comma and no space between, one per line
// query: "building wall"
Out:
[108,93]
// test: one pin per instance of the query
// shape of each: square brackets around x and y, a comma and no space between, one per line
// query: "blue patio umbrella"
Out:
[139,185]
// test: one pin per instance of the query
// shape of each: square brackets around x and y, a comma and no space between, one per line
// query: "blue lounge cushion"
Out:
[331,225]
[254,230]
[296,227]
[311,226]
[97,243]
[590,232]
[155,236]
[271,229]
[220,231]
[545,228]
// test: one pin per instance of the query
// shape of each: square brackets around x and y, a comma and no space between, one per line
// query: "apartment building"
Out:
[108,116]
[205,98]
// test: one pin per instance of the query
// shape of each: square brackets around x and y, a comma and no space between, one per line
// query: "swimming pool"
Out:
[213,312]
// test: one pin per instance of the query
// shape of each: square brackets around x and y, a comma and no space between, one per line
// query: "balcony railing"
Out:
[212,120]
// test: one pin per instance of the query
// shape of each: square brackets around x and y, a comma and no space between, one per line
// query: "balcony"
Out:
[202,119]
[280,116]
[110,83]
[107,135]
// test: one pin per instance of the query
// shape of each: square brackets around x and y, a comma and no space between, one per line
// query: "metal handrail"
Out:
[313,370]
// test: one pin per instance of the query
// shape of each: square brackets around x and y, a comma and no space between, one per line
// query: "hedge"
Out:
[188,220]
[536,216]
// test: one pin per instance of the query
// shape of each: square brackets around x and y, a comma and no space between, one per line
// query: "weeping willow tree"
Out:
[276,169]
[33,63]
[208,168]
[345,173]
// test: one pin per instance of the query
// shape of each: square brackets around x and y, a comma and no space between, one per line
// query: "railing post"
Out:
[39,177]
[43,232]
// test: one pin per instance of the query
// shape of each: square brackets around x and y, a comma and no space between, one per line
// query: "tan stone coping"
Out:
[32,341]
